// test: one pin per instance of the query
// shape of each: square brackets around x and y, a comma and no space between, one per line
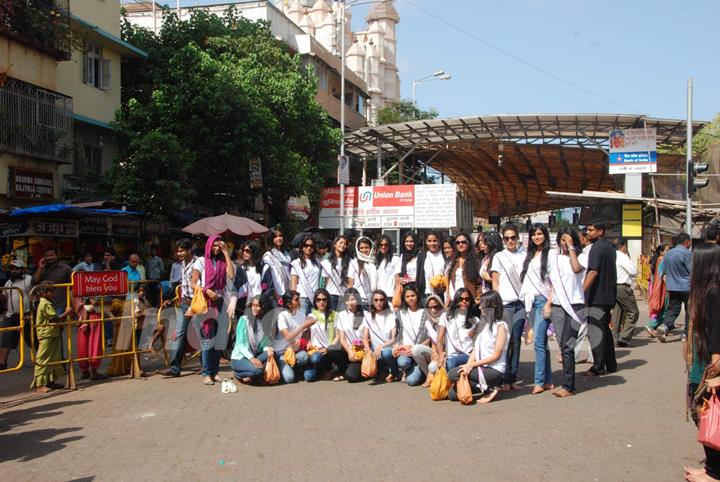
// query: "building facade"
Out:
[59,90]
[313,29]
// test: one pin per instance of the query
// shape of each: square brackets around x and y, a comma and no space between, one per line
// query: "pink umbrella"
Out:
[226,223]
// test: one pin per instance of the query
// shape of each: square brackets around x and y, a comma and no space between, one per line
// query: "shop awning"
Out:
[72,211]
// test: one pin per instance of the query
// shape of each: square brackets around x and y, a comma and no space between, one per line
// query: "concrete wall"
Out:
[27,64]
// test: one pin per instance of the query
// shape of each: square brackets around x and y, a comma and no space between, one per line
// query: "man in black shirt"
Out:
[600,288]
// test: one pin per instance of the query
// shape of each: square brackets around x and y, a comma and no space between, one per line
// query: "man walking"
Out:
[677,265]
[626,312]
[600,288]
[17,287]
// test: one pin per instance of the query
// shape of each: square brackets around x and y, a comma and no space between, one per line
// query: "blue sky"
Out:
[631,56]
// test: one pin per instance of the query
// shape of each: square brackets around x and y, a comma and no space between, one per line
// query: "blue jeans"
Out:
[543,371]
[457,360]
[316,367]
[306,305]
[413,374]
[388,362]
[243,368]
[514,315]
[334,300]
[209,355]
[287,372]
[176,357]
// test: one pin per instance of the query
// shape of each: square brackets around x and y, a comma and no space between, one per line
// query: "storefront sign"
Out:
[126,227]
[29,184]
[100,283]
[55,227]
[16,228]
[633,151]
[343,176]
[94,226]
[418,206]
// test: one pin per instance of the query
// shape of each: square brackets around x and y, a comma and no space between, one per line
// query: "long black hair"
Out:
[308,237]
[255,256]
[705,282]
[386,305]
[455,304]
[272,234]
[322,291]
[656,255]
[491,300]
[410,287]
[379,257]
[405,255]
[471,268]
[572,232]
[344,258]
[532,249]
[494,242]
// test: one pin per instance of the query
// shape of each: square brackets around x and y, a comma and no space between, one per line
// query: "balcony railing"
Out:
[35,122]
[41,24]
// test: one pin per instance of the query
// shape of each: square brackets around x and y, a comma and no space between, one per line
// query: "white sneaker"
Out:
[225,387]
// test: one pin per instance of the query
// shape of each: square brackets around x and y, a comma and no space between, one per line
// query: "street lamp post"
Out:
[439,75]
[342,118]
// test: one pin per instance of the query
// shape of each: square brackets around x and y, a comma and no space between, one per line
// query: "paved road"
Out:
[629,426]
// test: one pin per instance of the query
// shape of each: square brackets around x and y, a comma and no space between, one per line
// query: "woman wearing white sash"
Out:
[456,331]
[335,270]
[488,360]
[426,353]
[324,338]
[406,271]
[362,272]
[279,261]
[305,273]
[379,334]
[350,326]
[535,293]
[411,332]
[464,268]
[385,263]
[566,274]
[434,264]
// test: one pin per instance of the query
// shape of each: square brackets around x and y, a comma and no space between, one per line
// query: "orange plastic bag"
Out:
[289,356]
[368,368]
[440,385]
[464,391]
[272,373]
[198,305]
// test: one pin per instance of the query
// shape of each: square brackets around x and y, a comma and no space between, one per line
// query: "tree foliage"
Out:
[403,111]
[214,94]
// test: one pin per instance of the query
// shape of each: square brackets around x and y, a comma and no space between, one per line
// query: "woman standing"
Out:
[385,264]
[252,276]
[411,331]
[362,275]
[535,293]
[335,270]
[252,346]
[657,289]
[568,303]
[291,324]
[350,326]
[406,271]
[456,331]
[427,351]
[704,346]
[305,274]
[211,274]
[488,245]
[324,337]
[379,335]
[487,363]
[433,265]
[279,262]
[464,268]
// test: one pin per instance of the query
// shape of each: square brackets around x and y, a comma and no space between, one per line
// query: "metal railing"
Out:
[7,292]
[35,122]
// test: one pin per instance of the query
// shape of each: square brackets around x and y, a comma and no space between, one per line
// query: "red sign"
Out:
[29,184]
[387,196]
[100,283]
[330,198]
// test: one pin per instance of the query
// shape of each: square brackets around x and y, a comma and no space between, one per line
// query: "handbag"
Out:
[368,367]
[397,296]
[198,305]
[464,391]
[440,385]
[709,426]
[272,374]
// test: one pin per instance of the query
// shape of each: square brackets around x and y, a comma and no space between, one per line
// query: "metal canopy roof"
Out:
[541,152]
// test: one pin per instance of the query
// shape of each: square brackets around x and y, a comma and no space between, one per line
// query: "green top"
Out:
[46,314]
[242,348]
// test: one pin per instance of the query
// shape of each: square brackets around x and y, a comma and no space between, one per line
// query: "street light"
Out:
[439,75]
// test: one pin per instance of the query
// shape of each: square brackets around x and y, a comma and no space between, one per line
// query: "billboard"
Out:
[633,151]
[404,206]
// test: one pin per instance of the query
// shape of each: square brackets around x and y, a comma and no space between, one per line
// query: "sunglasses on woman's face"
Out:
[308,245]
[510,238]
[384,244]
[465,299]
[379,300]
[246,250]
[318,300]
[461,241]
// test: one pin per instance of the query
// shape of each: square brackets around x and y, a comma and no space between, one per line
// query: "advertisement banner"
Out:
[633,151]
[343,176]
[30,184]
[404,206]
[256,180]
[100,283]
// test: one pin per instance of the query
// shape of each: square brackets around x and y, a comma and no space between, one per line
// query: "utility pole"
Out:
[342,115]
[688,158]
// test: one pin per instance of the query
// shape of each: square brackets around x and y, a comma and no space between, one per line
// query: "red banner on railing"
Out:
[100,283]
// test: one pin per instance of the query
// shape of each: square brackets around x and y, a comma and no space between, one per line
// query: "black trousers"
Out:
[493,378]
[675,302]
[601,338]
[353,373]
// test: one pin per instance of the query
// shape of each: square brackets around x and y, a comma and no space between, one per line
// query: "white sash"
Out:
[512,273]
[561,294]
[349,330]
[320,334]
[538,283]
[377,332]
[335,278]
[309,291]
[279,269]
[408,319]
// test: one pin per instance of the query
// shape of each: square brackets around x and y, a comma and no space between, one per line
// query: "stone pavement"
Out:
[629,426]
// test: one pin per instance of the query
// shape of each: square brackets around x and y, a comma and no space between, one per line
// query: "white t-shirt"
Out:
[533,283]
[457,338]
[456,282]
[253,286]
[410,269]
[363,282]
[380,328]
[279,263]
[386,276]
[583,258]
[24,284]
[308,277]
[434,265]
[503,262]
[431,330]
[345,322]
[411,323]
[287,321]
[485,344]
[330,274]
[572,283]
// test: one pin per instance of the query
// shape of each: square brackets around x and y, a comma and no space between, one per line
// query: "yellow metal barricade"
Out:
[20,328]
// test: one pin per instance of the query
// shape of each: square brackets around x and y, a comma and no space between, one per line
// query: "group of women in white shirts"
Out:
[437,303]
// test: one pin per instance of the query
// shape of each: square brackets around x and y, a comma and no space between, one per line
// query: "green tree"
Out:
[214,94]
[403,111]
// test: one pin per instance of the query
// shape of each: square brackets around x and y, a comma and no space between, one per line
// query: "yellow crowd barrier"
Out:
[20,328]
